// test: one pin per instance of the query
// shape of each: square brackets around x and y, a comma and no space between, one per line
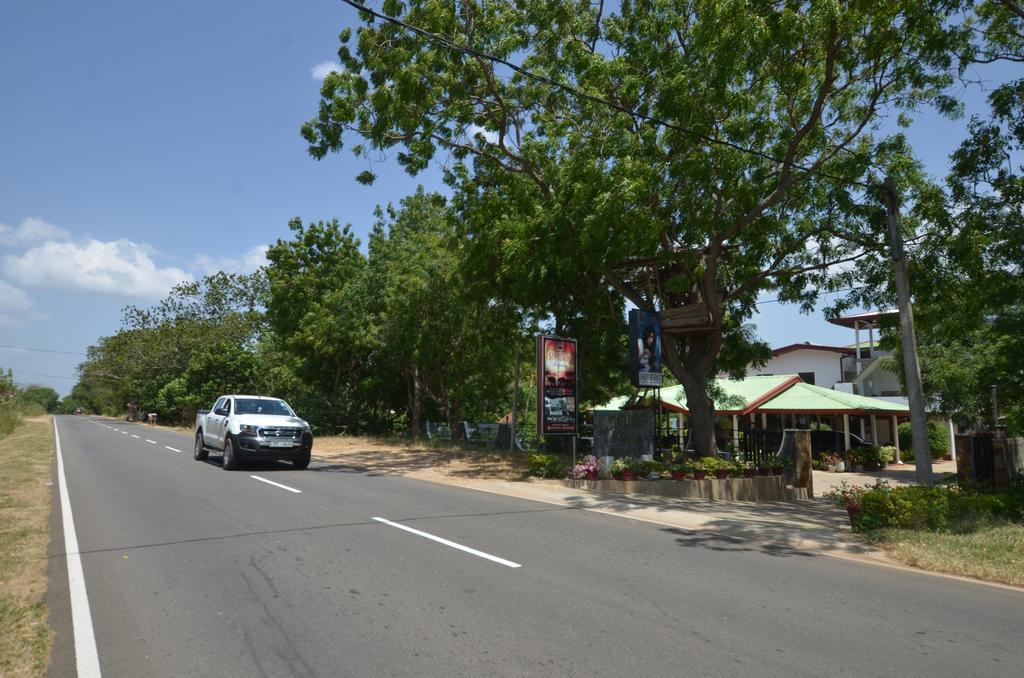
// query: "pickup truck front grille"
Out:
[280,433]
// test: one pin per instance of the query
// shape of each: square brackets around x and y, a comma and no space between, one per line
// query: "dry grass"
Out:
[428,461]
[25,457]
[994,553]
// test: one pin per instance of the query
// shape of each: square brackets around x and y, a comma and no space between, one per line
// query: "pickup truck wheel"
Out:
[302,461]
[199,453]
[229,462]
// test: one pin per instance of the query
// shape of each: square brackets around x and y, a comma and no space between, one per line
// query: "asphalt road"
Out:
[194,571]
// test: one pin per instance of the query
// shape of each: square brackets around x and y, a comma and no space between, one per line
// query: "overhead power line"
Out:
[40,374]
[472,51]
[41,350]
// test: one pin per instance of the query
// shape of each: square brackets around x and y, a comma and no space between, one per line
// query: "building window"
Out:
[808,377]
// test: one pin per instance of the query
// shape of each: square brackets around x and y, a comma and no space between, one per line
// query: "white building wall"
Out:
[824,365]
[880,382]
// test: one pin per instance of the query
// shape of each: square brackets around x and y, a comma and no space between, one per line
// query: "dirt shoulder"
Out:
[25,486]
[426,461]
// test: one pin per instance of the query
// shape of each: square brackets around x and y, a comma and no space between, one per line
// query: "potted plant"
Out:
[678,471]
[624,468]
[780,464]
[738,468]
[699,470]
[588,469]
[852,460]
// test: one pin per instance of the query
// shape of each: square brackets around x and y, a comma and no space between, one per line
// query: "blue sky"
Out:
[142,144]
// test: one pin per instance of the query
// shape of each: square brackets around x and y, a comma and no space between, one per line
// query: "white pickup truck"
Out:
[244,427]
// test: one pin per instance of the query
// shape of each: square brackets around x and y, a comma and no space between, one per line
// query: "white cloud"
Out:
[16,308]
[119,268]
[491,137]
[247,263]
[31,231]
[12,298]
[324,68]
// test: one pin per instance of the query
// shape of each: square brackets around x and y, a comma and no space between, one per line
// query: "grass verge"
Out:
[25,457]
[993,553]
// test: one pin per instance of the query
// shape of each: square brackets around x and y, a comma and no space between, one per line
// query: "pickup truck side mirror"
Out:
[221,411]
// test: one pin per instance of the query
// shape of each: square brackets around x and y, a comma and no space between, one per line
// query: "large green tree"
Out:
[450,341]
[966,252]
[321,308]
[158,344]
[671,154]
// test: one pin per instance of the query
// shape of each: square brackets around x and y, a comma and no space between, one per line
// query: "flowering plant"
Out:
[588,468]
[850,496]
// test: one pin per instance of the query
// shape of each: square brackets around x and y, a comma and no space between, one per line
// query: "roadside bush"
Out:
[10,417]
[13,412]
[545,466]
[938,439]
[976,509]
[910,508]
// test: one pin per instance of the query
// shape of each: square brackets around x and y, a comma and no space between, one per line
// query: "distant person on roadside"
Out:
[151,418]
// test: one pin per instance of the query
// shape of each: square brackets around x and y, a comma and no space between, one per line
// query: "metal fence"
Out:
[487,434]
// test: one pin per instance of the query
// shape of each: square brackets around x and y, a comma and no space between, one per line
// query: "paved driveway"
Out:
[895,474]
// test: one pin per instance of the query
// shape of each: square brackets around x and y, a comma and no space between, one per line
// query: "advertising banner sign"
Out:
[556,386]
[644,348]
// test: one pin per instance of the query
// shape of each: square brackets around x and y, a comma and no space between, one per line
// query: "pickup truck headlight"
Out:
[247,428]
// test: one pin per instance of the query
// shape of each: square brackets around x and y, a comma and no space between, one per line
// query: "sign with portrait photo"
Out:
[644,348]
[556,386]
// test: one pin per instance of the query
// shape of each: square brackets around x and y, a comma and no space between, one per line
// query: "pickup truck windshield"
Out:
[261,406]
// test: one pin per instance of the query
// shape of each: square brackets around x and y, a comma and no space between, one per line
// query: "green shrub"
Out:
[977,509]
[910,508]
[646,468]
[545,466]
[10,417]
[937,509]
[938,439]
[875,458]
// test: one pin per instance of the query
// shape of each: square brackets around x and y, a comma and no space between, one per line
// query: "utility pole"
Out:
[915,394]
[515,401]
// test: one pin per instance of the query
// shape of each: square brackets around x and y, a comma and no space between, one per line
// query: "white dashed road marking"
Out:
[271,482]
[446,542]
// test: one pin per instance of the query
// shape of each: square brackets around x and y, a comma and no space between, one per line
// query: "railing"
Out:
[489,434]
[759,447]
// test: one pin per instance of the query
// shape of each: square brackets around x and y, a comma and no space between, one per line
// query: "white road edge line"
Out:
[150,441]
[271,482]
[172,449]
[134,436]
[446,542]
[87,660]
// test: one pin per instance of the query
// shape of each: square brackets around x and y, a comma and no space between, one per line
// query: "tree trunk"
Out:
[416,409]
[691,369]
[455,413]
[452,415]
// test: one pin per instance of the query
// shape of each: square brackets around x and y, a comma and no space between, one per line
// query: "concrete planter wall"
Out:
[758,488]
